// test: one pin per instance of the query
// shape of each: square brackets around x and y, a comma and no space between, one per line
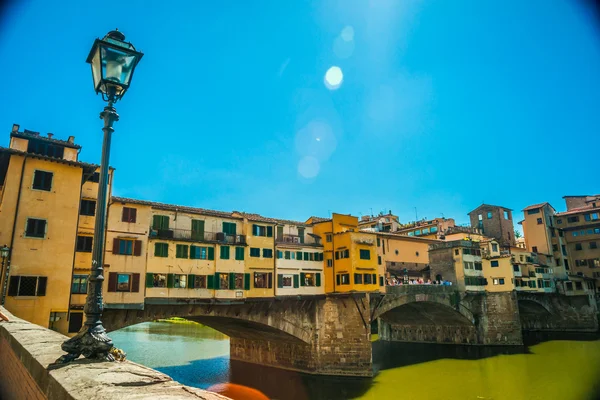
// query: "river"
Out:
[198,356]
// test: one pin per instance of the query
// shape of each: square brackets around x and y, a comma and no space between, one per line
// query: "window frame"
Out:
[129,282]
[85,240]
[87,212]
[77,280]
[25,234]
[44,172]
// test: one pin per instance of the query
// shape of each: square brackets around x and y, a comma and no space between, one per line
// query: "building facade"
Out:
[494,222]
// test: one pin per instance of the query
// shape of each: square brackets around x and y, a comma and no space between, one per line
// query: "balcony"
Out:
[309,240]
[187,235]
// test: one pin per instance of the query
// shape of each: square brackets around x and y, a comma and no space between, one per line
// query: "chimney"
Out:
[15,128]
[390,212]
[71,139]
[50,135]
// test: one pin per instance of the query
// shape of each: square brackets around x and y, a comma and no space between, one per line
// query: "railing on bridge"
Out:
[197,236]
[416,289]
[307,240]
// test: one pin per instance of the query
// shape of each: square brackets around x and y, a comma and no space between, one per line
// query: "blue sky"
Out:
[443,104]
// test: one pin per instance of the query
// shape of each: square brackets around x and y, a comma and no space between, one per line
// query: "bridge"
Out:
[330,334]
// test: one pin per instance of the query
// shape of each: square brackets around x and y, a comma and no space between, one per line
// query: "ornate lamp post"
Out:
[4,251]
[113,62]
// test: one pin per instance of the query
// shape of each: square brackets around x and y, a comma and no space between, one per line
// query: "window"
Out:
[95,177]
[160,249]
[365,254]
[494,263]
[229,228]
[285,281]
[342,279]
[593,245]
[129,214]
[580,263]
[489,215]
[329,238]
[501,281]
[88,207]
[578,246]
[417,232]
[224,252]
[456,252]
[197,281]
[181,251]
[573,219]
[539,221]
[329,262]
[358,279]
[564,249]
[369,279]
[268,253]
[42,180]
[308,279]
[535,211]
[198,229]
[425,231]
[534,249]
[160,222]
[263,280]
[179,281]
[554,247]
[578,286]
[27,285]
[202,253]
[434,229]
[594,263]
[254,252]
[506,215]
[84,244]
[123,283]
[239,253]
[260,230]
[494,247]
[468,265]
[516,268]
[575,233]
[498,281]
[156,280]
[596,231]
[411,234]
[79,285]
[35,228]
[553,232]
[378,242]
[569,286]
[558,221]
[238,281]
[594,216]
[378,260]
[287,255]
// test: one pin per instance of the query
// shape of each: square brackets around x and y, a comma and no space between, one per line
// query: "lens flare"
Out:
[334,78]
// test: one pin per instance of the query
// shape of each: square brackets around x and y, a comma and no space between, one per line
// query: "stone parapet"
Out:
[26,350]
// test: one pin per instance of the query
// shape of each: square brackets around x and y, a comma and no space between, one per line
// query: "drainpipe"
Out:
[75,248]
[12,238]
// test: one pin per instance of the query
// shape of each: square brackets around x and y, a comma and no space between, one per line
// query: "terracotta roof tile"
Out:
[35,135]
[534,206]
[54,159]
[260,218]
[578,210]
[174,207]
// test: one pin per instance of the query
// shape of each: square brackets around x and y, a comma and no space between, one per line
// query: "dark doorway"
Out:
[75,322]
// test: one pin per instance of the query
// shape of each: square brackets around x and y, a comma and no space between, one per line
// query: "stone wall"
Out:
[553,312]
[497,318]
[26,351]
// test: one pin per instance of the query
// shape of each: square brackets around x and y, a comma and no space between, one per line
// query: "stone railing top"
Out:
[37,347]
[403,289]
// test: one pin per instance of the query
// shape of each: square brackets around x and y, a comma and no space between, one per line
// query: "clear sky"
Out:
[443,104]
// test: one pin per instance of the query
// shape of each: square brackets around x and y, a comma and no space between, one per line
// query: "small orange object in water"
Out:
[237,392]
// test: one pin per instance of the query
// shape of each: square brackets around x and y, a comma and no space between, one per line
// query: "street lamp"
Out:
[4,250]
[113,62]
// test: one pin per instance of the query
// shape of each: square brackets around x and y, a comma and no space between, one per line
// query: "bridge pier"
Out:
[329,335]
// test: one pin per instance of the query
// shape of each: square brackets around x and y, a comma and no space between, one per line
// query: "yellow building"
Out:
[430,229]
[47,206]
[497,267]
[350,255]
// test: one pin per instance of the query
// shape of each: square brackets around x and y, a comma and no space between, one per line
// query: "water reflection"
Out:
[198,356]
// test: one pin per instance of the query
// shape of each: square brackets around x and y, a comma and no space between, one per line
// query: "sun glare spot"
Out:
[308,167]
[347,33]
[334,77]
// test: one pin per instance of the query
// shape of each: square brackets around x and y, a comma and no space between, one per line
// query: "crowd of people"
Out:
[396,281]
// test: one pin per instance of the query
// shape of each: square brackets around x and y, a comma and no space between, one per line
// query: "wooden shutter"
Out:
[337,279]
[381,281]
[296,281]
[137,248]
[149,280]
[374,281]
[125,215]
[13,287]
[217,280]
[306,256]
[170,280]
[302,278]
[269,231]
[135,283]
[157,249]
[132,215]
[112,281]
[318,279]
[378,242]
[279,280]
[41,286]
[190,281]
[246,281]
[301,234]
[357,279]
[211,253]
[231,281]
[156,222]
[197,229]
[254,230]
[210,282]
[239,253]
[115,246]
[270,285]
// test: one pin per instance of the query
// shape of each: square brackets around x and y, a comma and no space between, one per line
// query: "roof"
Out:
[577,210]
[403,237]
[534,206]
[36,135]
[53,159]
[489,206]
[174,207]
[316,220]
[260,218]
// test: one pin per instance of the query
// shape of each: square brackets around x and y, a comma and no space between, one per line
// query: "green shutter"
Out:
[149,280]
[211,253]
[231,280]
[299,255]
[169,280]
[239,253]
[197,229]
[269,231]
[374,281]
[381,281]
[302,279]
[190,281]
[225,252]
[378,242]
[301,234]
[287,255]
[193,252]
[210,282]
[318,279]
[306,256]
[296,283]
[156,249]
[156,222]
[279,280]
[246,281]
[279,254]
[217,280]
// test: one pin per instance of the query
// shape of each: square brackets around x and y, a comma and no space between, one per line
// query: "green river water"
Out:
[198,356]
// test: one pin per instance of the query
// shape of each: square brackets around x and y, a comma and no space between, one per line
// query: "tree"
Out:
[517,234]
